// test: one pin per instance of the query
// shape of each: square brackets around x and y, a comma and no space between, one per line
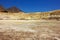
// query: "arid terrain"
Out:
[15,24]
[29,30]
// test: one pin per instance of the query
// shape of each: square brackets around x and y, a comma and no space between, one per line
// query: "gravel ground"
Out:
[29,30]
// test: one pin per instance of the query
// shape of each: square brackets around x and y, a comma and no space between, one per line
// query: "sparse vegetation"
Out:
[29,30]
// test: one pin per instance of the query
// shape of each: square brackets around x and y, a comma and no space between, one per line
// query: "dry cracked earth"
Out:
[29,30]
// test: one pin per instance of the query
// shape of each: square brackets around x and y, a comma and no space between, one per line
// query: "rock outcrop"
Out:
[2,9]
[14,10]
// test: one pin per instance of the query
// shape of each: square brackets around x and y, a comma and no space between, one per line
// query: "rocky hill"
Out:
[2,9]
[14,10]
[15,13]
[19,15]
[10,10]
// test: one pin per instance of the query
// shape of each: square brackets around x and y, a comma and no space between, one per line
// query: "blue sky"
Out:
[32,5]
